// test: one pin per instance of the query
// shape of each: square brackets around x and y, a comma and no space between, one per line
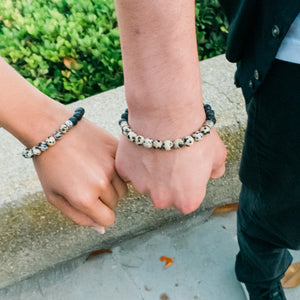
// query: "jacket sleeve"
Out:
[240,14]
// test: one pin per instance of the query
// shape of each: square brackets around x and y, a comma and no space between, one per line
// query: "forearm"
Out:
[24,111]
[161,70]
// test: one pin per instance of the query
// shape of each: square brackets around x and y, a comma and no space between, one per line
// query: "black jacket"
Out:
[257,28]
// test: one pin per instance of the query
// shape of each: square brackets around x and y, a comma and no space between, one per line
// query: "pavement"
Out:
[203,268]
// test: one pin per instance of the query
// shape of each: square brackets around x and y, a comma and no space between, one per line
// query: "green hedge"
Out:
[70,49]
[211,25]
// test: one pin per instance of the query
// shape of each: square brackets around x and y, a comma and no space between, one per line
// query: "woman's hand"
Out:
[78,175]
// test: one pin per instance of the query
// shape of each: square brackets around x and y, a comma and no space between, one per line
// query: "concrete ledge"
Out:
[35,236]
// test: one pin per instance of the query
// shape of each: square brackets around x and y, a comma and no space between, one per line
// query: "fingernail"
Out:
[100,229]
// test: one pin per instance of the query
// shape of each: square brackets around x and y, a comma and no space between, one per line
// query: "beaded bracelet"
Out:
[57,135]
[168,144]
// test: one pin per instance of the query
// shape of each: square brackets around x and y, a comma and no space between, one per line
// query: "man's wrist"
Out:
[179,119]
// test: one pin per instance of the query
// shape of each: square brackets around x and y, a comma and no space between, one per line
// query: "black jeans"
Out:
[269,207]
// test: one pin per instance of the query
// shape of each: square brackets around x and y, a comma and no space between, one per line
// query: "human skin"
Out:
[77,173]
[164,97]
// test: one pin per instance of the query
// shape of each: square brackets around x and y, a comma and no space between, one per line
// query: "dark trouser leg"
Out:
[269,210]
[263,256]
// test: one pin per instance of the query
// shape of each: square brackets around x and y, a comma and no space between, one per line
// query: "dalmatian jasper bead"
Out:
[168,145]
[178,143]
[43,146]
[36,151]
[69,124]
[131,136]
[126,130]
[50,141]
[57,135]
[148,143]
[188,141]
[205,130]
[27,153]
[123,124]
[209,123]
[63,128]
[157,144]
[139,140]
[197,135]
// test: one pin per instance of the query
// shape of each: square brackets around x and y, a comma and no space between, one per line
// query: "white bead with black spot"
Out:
[131,136]
[178,143]
[157,144]
[188,141]
[205,130]
[148,143]
[197,135]
[168,145]
[139,140]
[36,151]
[50,141]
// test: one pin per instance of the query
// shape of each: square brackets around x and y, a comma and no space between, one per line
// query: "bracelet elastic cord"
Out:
[169,144]
[57,135]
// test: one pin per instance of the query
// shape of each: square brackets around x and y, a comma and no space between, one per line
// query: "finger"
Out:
[124,178]
[120,168]
[160,200]
[218,169]
[109,196]
[191,196]
[120,186]
[81,219]
[95,209]
[218,173]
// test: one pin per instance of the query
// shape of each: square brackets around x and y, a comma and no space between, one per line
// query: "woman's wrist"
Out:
[35,120]
[26,112]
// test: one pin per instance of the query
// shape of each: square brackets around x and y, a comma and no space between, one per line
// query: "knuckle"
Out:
[110,219]
[159,202]
[139,186]
[193,204]
[103,183]
[82,201]
[219,172]
[189,208]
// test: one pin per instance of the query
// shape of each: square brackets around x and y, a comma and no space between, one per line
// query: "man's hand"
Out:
[79,178]
[175,178]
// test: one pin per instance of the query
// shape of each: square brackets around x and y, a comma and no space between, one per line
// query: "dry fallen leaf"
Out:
[164,297]
[225,208]
[291,278]
[169,261]
[70,62]
[98,252]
